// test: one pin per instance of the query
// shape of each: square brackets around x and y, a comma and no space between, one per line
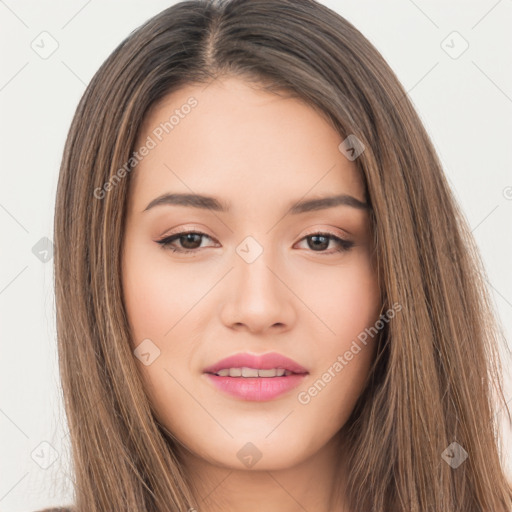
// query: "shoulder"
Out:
[56,509]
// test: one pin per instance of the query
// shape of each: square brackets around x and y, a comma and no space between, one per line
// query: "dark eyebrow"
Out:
[191,200]
[327,202]
[211,203]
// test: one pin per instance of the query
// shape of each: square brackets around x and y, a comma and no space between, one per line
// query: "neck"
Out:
[316,483]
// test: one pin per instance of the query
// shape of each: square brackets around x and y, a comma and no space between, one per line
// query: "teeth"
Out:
[252,372]
[246,372]
[273,372]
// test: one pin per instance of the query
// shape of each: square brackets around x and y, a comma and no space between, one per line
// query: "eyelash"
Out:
[344,245]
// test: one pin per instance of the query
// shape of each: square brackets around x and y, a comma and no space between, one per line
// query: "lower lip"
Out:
[257,389]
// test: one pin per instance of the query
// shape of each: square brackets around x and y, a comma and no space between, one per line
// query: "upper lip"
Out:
[261,362]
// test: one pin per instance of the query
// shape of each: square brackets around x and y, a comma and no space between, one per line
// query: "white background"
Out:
[465,103]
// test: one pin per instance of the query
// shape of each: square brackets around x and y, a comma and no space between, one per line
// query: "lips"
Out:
[260,362]
[258,389]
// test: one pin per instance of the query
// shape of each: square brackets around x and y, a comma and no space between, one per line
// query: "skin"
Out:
[260,152]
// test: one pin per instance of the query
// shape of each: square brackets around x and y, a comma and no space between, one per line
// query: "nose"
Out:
[257,297]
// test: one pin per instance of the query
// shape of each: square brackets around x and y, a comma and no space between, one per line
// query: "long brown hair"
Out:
[436,377]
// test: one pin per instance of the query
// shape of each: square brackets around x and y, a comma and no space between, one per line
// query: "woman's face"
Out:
[260,278]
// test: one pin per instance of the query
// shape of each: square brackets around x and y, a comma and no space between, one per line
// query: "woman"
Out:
[267,296]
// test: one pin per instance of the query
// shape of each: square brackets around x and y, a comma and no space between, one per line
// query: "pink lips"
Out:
[256,388]
[263,362]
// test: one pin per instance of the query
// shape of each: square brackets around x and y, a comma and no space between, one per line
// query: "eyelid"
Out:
[343,235]
[312,231]
[186,229]
[344,243]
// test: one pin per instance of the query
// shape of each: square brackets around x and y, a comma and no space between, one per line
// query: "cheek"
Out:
[154,293]
[347,305]
[345,301]
[356,303]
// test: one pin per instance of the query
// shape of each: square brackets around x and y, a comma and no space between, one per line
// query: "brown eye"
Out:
[318,242]
[190,241]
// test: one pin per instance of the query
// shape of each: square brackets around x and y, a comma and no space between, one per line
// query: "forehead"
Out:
[232,139]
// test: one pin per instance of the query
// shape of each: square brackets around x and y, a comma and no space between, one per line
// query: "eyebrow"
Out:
[212,203]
